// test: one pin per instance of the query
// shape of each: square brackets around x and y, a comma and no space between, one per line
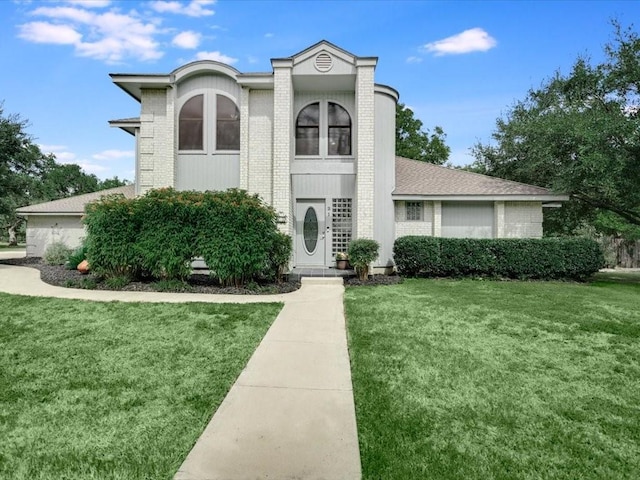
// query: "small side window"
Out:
[190,124]
[227,124]
[414,211]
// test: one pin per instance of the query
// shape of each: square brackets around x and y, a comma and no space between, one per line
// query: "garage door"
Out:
[467,219]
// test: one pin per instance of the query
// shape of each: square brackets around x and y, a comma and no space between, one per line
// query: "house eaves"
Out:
[74,205]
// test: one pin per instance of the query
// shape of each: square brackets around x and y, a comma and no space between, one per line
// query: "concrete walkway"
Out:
[290,413]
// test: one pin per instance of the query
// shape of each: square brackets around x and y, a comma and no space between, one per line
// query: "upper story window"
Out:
[209,123]
[227,124]
[190,125]
[323,123]
[339,133]
[308,130]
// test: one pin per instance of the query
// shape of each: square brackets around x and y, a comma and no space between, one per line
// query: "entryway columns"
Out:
[282,144]
[365,147]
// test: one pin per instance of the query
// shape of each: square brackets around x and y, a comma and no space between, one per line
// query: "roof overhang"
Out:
[48,214]
[484,198]
[134,84]
[129,125]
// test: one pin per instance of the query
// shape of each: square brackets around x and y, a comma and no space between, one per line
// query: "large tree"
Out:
[29,176]
[413,142]
[578,134]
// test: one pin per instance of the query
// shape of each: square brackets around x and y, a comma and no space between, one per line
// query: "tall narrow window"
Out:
[227,124]
[190,124]
[308,130]
[339,123]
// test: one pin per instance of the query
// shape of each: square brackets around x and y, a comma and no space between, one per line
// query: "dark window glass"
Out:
[190,124]
[310,230]
[227,124]
[339,135]
[308,130]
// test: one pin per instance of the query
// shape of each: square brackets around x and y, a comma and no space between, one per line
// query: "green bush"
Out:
[75,257]
[280,254]
[361,253]
[160,233]
[546,258]
[56,253]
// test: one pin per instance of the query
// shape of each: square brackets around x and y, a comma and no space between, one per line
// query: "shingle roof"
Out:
[75,205]
[421,178]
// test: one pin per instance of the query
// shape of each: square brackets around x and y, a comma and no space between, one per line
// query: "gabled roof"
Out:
[74,205]
[426,180]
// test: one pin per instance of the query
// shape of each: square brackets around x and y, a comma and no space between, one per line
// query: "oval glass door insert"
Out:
[310,230]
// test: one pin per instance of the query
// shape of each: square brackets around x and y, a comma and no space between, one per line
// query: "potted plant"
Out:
[342,261]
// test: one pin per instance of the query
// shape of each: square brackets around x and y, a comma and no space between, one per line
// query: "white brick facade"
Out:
[413,227]
[365,124]
[523,219]
[260,144]
[156,150]
[282,144]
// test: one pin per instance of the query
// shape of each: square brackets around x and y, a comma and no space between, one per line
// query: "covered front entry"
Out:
[311,232]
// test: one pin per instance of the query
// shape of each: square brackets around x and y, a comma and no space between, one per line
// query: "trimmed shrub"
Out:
[160,233]
[361,253]
[56,253]
[280,254]
[113,228]
[546,258]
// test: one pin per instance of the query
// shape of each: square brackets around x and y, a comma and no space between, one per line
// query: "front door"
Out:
[311,221]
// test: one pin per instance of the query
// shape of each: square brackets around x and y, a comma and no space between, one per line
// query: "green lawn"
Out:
[94,390]
[497,380]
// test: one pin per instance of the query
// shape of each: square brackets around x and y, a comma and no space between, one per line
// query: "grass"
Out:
[497,380]
[95,390]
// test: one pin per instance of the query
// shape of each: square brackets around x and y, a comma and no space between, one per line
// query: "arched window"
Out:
[308,130]
[227,124]
[191,123]
[339,134]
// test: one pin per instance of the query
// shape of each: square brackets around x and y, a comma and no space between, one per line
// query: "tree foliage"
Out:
[578,134]
[29,176]
[412,142]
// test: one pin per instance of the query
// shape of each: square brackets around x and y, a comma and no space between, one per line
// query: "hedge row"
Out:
[160,233]
[545,258]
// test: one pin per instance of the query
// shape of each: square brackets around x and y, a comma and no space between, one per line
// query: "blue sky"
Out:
[457,64]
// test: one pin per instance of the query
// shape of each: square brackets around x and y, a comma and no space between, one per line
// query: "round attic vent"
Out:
[324,62]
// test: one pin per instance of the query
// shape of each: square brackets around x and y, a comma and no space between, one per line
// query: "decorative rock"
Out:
[83,267]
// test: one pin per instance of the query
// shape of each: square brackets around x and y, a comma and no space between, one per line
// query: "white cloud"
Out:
[195,8]
[217,56]
[113,154]
[90,3]
[187,39]
[110,36]
[44,32]
[268,35]
[414,59]
[61,152]
[92,167]
[472,40]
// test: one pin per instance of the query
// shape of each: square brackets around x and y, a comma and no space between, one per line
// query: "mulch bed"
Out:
[197,283]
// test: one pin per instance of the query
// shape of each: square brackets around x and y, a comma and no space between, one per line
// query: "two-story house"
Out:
[315,138]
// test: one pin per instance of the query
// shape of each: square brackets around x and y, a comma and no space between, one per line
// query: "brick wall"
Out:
[413,227]
[260,143]
[282,134]
[365,132]
[157,140]
[522,219]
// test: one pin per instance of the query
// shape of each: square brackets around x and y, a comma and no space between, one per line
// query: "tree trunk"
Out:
[13,239]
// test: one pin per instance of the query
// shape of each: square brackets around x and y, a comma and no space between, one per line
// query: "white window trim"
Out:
[209,127]
[323,127]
